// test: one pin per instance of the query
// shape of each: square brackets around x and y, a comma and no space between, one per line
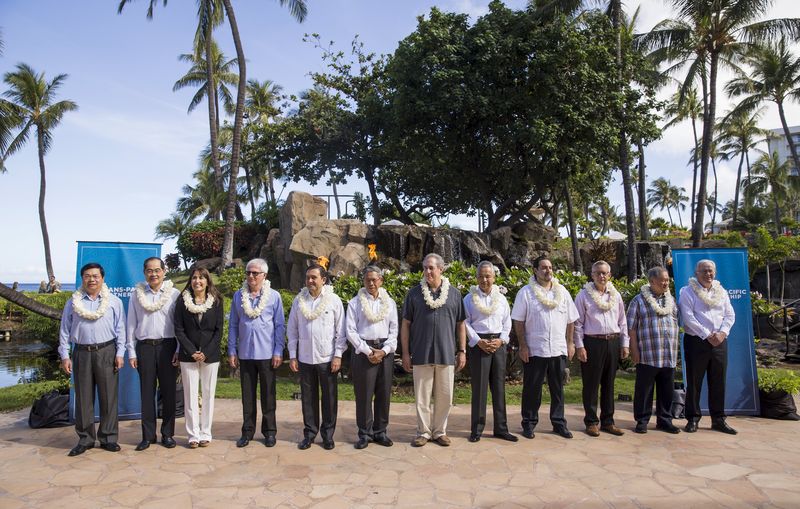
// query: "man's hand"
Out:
[293,366]
[175,359]
[497,343]
[523,352]
[485,345]
[119,362]
[407,363]
[66,366]
[635,356]
[461,361]
[570,351]
[336,364]
[624,352]
[133,362]
[233,361]
[714,339]
[277,360]
[581,354]
[376,356]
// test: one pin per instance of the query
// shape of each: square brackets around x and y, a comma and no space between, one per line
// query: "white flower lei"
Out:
[194,308]
[160,303]
[669,302]
[597,297]
[366,306]
[304,298]
[476,300]
[541,293]
[426,293]
[262,303]
[84,313]
[712,297]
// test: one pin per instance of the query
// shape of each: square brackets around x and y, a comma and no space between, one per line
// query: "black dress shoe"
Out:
[110,447]
[305,443]
[243,442]
[269,441]
[640,428]
[564,432]
[668,428]
[722,426]
[506,436]
[79,449]
[144,444]
[691,427]
[528,433]
[362,443]
[168,442]
[474,437]
[328,445]
[383,440]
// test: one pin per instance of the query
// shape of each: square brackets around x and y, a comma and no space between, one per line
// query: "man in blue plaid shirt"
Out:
[653,329]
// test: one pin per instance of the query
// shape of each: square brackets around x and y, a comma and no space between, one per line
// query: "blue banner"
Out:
[122,262]
[741,385]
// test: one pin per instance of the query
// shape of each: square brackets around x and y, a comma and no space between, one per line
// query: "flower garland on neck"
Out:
[669,302]
[366,305]
[597,297]
[429,300]
[262,302]
[712,297]
[80,309]
[541,294]
[195,308]
[478,304]
[304,298]
[141,296]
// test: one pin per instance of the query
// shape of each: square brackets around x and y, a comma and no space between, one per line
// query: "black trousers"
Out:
[598,372]
[533,374]
[154,363]
[372,384]
[253,373]
[313,379]
[702,359]
[488,372]
[646,377]
[94,370]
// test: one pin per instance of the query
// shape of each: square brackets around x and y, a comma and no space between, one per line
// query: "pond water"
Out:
[26,360]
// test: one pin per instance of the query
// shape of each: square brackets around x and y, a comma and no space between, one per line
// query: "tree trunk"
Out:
[211,94]
[270,191]
[227,244]
[375,207]
[335,196]
[789,139]
[644,231]
[577,263]
[694,174]
[708,127]
[250,192]
[22,300]
[777,217]
[42,189]
[404,216]
[669,214]
[716,196]
[738,185]
[747,165]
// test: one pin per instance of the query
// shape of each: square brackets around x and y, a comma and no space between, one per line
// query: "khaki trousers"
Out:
[433,390]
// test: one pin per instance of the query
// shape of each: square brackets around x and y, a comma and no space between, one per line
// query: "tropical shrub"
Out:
[778,380]
[204,240]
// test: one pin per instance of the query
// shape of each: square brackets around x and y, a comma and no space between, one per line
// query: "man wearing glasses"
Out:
[255,344]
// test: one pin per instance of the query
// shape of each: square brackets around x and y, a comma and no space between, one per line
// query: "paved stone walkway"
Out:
[758,468]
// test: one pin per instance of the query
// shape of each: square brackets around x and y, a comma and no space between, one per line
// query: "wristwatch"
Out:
[460,350]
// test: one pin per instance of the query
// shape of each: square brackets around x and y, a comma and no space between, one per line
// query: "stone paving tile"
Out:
[757,468]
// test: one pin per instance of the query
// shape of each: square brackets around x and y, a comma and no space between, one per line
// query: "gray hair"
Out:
[704,261]
[439,260]
[372,268]
[262,264]
[599,263]
[484,263]
[655,272]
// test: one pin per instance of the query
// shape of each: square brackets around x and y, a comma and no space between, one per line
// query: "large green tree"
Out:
[31,103]
[771,176]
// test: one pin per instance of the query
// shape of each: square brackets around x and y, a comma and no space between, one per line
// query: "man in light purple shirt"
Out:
[601,339]
[255,345]
[707,317]
[94,322]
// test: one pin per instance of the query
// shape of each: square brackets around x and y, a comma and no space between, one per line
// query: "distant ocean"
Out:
[33,287]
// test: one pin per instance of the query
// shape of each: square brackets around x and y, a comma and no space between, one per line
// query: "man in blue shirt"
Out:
[94,322]
[255,344]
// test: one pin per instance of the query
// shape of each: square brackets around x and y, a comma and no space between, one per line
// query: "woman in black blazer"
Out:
[198,327]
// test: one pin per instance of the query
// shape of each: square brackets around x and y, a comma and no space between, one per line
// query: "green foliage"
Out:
[173,261]
[23,395]
[629,289]
[267,215]
[230,280]
[35,325]
[762,306]
[778,380]
[204,240]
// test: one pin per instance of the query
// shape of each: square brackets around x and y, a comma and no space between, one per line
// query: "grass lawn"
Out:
[23,395]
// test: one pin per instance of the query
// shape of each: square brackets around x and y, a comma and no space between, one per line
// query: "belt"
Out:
[95,347]
[155,341]
[605,337]
[489,335]
[375,342]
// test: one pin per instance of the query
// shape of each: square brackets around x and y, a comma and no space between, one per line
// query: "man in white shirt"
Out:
[317,341]
[152,350]
[544,317]
[371,326]
[488,326]
[707,317]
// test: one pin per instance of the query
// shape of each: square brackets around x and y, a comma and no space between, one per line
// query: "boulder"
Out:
[299,210]
[392,241]
[210,264]
[475,247]
[714,243]
[501,239]
[415,247]
[349,259]
[649,255]
[535,231]
[522,254]
[442,243]
[358,233]
[317,238]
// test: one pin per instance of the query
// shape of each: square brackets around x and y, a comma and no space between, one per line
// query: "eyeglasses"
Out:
[92,276]
[150,272]
[254,273]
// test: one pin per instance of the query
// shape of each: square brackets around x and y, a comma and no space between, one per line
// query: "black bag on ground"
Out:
[50,411]
[678,401]
[178,401]
[778,405]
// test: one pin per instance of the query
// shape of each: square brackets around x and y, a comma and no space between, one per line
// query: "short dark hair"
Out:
[322,272]
[93,265]
[160,261]
[540,259]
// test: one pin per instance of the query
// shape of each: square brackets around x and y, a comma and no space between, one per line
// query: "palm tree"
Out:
[738,134]
[704,35]
[660,195]
[768,174]
[774,75]
[261,106]
[298,10]
[172,227]
[678,197]
[31,101]
[678,109]
[223,75]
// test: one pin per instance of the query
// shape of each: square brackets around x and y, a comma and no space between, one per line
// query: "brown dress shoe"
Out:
[612,429]
[419,441]
[442,440]
[592,430]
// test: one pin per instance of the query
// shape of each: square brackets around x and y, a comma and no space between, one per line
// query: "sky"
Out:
[117,165]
